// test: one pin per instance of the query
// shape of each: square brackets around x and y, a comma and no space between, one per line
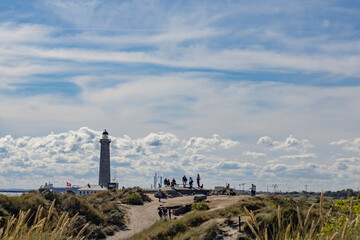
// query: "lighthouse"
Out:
[104,169]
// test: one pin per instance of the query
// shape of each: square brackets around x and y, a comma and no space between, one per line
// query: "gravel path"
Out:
[143,216]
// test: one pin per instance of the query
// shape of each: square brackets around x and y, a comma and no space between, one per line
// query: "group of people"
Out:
[168,183]
[172,183]
[164,212]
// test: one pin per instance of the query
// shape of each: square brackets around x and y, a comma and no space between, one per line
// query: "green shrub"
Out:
[200,206]
[107,207]
[47,194]
[196,221]
[175,228]
[94,232]
[115,218]
[134,198]
[74,204]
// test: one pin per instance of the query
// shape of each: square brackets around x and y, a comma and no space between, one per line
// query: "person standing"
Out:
[160,212]
[228,189]
[191,182]
[198,180]
[184,180]
[169,213]
[253,190]
[159,195]
[165,212]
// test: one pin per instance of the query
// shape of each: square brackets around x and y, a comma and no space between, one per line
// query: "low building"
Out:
[88,189]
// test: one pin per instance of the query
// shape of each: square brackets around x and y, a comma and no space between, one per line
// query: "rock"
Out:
[181,210]
[198,198]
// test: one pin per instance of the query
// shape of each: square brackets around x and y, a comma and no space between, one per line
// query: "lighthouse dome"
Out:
[105,134]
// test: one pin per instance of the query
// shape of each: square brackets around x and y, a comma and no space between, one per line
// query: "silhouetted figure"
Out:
[198,180]
[159,195]
[165,212]
[184,180]
[173,183]
[228,189]
[191,181]
[160,212]
[253,190]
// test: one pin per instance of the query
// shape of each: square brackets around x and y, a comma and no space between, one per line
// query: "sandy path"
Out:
[143,216]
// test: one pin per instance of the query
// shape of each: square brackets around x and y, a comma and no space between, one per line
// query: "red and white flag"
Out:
[68,184]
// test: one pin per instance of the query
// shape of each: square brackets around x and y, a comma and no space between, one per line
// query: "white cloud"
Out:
[196,144]
[301,171]
[299,156]
[288,144]
[74,155]
[348,145]
[254,154]
[348,164]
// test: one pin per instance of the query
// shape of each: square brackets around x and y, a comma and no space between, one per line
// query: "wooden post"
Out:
[239,224]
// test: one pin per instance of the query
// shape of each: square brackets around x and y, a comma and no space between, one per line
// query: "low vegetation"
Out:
[202,205]
[222,191]
[341,220]
[67,214]
[265,217]
[41,227]
[135,199]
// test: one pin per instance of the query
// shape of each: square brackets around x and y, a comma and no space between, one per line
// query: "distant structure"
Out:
[155,180]
[104,169]
[51,187]
[89,189]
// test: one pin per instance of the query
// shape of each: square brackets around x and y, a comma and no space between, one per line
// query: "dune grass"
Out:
[340,221]
[101,211]
[42,227]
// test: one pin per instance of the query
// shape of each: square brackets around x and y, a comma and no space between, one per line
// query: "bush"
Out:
[197,221]
[175,228]
[107,207]
[115,218]
[200,206]
[47,194]
[134,198]
[74,204]
[94,232]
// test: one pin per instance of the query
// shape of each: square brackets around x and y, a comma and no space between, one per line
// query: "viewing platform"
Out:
[180,191]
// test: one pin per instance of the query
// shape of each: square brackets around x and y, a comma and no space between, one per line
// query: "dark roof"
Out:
[105,132]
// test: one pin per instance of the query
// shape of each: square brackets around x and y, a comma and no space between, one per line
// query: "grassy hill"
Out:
[47,215]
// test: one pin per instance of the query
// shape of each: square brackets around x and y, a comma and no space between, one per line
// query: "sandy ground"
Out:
[143,216]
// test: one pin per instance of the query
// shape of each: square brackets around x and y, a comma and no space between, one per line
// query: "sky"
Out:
[262,92]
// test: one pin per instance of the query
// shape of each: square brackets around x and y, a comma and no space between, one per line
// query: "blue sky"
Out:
[242,70]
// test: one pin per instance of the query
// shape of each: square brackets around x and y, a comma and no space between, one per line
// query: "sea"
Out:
[12,194]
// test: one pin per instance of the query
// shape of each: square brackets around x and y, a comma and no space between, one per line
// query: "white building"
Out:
[88,189]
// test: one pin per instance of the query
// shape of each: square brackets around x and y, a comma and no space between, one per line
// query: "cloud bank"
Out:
[73,156]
